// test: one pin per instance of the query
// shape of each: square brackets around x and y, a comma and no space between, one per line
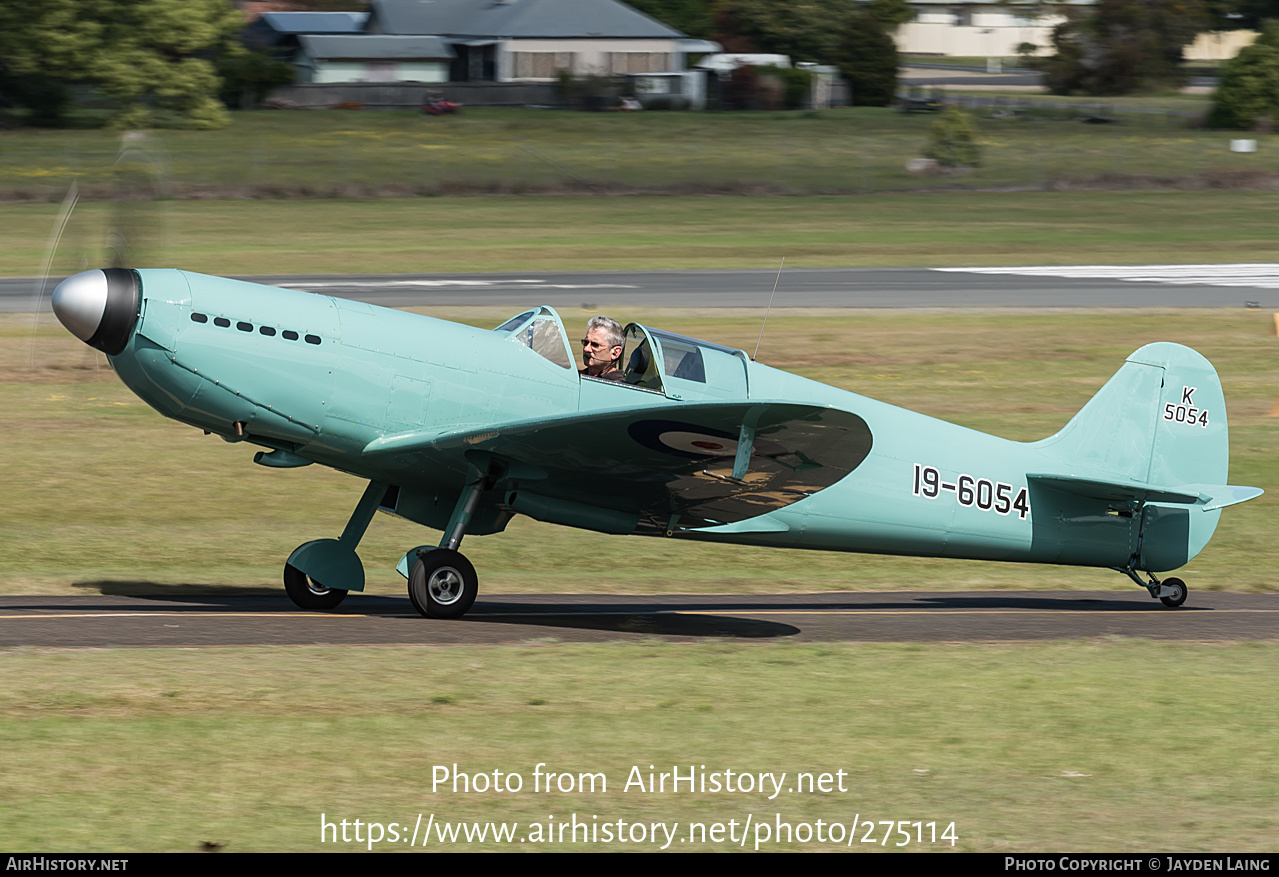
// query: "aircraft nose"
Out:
[100,307]
[80,301]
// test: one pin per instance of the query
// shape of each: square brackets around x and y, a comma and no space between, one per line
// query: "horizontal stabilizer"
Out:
[1229,494]
[1209,496]
[1119,491]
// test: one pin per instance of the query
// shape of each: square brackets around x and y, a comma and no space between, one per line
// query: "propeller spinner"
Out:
[100,307]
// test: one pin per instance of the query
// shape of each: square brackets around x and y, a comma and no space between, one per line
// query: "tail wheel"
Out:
[1179,592]
[443,584]
[309,594]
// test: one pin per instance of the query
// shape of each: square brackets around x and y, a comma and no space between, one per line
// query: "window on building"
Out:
[639,62]
[540,65]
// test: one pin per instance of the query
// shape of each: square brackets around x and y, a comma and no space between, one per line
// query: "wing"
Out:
[689,466]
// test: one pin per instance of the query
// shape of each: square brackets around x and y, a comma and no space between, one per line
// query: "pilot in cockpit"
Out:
[602,349]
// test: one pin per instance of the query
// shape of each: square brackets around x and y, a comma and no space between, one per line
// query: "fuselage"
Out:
[319,379]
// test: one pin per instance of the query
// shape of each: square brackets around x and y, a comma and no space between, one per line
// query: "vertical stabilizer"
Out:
[1161,420]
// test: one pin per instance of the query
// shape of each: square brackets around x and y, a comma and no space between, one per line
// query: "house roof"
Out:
[315,22]
[366,47]
[522,19]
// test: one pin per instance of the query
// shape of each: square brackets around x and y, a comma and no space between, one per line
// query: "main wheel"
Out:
[309,594]
[1179,593]
[443,584]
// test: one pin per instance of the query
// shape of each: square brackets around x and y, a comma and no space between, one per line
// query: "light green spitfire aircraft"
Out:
[459,429]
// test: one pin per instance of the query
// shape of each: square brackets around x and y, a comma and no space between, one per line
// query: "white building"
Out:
[974,28]
[985,29]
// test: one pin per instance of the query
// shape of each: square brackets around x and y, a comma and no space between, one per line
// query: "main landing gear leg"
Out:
[443,583]
[318,575]
[1171,592]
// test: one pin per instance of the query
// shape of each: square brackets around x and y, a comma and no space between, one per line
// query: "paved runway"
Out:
[980,616]
[1129,286]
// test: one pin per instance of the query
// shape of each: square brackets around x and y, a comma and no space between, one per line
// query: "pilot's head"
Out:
[602,346]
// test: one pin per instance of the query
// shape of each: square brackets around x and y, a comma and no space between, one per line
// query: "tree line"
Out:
[180,61]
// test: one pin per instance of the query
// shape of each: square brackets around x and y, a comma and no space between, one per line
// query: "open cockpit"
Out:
[657,361]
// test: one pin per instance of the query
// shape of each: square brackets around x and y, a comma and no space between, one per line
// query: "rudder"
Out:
[1192,442]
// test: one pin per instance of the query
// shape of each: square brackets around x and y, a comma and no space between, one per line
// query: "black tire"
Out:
[309,594]
[443,584]
[1179,597]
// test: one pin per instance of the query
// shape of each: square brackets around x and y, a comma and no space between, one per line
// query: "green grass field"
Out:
[269,155]
[1105,746]
[539,233]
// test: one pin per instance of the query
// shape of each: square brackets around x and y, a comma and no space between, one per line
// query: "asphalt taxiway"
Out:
[976,616]
[1082,286]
